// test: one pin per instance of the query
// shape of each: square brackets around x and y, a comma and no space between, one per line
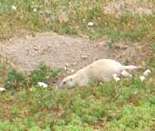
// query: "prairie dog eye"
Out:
[64,82]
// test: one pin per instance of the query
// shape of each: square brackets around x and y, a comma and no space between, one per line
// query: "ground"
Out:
[69,35]
[58,51]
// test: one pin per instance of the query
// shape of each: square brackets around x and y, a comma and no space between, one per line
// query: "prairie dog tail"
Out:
[131,67]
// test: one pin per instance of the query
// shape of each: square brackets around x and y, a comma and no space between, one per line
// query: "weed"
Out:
[43,73]
[15,79]
[120,105]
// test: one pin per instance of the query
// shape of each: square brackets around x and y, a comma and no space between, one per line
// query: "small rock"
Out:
[35,48]
[27,37]
[10,40]
[142,78]
[72,70]
[90,24]
[13,7]
[34,9]
[2,89]
[65,68]
[42,84]
[146,72]
[66,64]
[84,56]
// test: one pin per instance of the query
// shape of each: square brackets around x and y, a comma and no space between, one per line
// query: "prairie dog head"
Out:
[68,82]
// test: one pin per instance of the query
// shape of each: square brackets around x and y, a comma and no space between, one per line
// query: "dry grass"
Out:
[72,17]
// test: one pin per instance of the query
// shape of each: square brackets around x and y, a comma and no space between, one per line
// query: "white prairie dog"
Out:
[100,71]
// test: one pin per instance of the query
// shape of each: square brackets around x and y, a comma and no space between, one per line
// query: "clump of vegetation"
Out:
[43,74]
[17,80]
[127,104]
[109,106]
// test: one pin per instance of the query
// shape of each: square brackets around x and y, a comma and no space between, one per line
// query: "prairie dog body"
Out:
[100,70]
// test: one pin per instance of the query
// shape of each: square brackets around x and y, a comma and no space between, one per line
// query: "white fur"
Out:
[99,71]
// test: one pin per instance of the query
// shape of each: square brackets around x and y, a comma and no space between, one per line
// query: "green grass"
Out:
[132,107]
[126,105]
[17,80]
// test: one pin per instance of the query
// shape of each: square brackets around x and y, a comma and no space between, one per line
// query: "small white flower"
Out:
[13,7]
[2,89]
[34,9]
[142,78]
[42,84]
[116,78]
[90,23]
[146,72]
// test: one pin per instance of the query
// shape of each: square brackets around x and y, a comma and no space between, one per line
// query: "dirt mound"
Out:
[63,51]
[51,49]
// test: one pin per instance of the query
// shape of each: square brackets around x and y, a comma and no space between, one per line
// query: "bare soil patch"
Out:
[72,53]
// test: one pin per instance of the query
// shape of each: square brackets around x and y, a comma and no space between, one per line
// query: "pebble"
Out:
[142,78]
[84,56]
[66,64]
[42,84]
[14,7]
[146,72]
[35,48]
[2,89]
[65,68]
[34,9]
[90,24]
[72,70]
